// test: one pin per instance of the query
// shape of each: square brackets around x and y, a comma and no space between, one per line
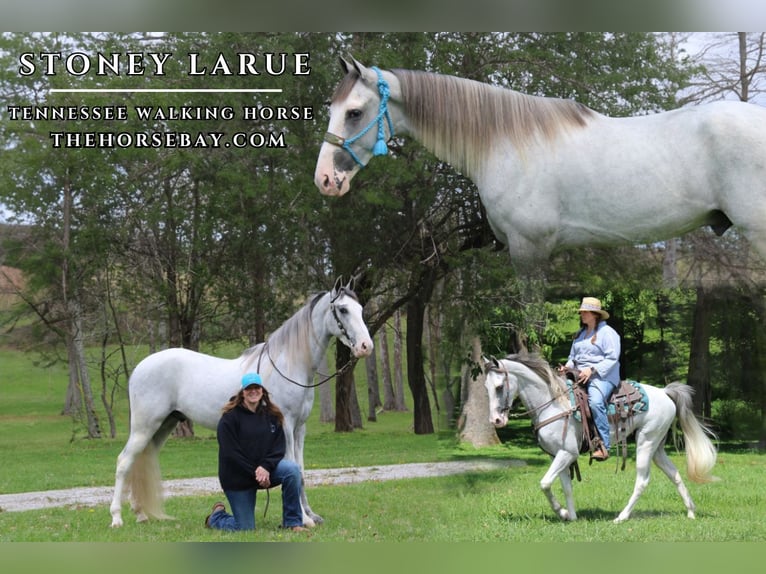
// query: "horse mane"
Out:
[460,120]
[542,369]
[295,332]
[292,334]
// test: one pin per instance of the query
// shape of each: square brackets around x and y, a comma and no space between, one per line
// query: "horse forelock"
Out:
[348,292]
[343,89]
[460,120]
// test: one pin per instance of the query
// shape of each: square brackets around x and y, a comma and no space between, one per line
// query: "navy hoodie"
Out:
[247,440]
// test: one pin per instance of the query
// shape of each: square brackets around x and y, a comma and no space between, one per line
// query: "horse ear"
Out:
[346,64]
[351,283]
[338,285]
[351,64]
[495,362]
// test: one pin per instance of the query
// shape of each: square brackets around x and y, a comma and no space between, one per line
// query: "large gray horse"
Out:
[176,384]
[553,173]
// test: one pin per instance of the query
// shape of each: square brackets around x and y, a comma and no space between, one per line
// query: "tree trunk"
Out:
[398,375]
[432,336]
[81,367]
[699,353]
[475,427]
[389,397]
[373,392]
[415,374]
[344,387]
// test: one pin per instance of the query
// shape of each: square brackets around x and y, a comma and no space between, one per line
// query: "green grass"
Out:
[42,450]
[491,506]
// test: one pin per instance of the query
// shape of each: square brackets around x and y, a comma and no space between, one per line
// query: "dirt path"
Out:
[95,496]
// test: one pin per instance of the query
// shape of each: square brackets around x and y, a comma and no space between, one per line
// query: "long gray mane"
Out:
[294,335]
[542,369]
[460,120]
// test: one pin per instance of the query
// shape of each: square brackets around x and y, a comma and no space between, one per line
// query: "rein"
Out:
[380,147]
[340,371]
[529,412]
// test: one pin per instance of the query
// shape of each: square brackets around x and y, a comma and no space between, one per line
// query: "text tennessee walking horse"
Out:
[553,173]
[175,384]
[559,433]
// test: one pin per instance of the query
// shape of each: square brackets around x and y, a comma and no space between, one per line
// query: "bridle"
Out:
[344,332]
[334,311]
[380,147]
[505,406]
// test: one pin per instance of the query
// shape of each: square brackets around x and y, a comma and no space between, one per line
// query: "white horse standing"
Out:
[553,173]
[177,384]
[546,398]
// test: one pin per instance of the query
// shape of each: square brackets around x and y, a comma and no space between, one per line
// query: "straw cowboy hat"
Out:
[593,305]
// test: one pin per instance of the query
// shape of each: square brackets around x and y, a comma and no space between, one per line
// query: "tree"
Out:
[475,427]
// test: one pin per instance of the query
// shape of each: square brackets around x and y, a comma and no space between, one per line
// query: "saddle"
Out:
[628,398]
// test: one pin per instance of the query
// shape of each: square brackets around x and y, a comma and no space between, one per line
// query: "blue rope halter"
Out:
[380,147]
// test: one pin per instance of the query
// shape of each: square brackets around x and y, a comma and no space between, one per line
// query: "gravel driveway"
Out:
[95,496]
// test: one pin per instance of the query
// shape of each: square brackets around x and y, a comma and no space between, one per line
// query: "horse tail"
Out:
[701,453]
[145,478]
[145,484]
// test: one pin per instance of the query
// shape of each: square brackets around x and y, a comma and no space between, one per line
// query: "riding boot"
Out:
[598,451]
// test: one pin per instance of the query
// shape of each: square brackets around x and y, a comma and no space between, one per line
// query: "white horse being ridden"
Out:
[553,173]
[546,398]
[177,384]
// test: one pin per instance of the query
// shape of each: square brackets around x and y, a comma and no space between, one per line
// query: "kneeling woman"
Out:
[251,450]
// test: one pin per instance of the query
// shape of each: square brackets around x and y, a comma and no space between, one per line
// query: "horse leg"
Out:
[566,485]
[138,468]
[310,518]
[294,452]
[662,460]
[560,465]
[137,442]
[645,449]
[145,480]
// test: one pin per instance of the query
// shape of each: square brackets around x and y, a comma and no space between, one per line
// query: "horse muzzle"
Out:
[499,420]
[362,348]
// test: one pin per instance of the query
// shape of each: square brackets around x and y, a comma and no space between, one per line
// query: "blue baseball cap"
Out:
[251,379]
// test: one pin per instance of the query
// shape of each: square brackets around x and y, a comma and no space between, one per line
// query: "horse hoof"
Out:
[691,515]
[620,519]
[116,523]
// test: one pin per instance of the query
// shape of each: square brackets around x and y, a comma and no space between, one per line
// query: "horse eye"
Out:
[343,311]
[354,114]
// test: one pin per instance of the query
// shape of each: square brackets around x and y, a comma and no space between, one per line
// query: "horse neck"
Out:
[534,392]
[302,336]
[462,120]
[320,333]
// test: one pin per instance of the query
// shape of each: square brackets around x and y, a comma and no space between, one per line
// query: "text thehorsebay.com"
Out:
[156,120]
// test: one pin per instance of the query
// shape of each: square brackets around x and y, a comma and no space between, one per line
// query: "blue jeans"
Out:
[242,502]
[599,391]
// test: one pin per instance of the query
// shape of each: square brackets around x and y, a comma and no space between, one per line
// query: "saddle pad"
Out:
[640,405]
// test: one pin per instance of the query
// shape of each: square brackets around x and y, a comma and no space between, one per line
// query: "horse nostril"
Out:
[326,182]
